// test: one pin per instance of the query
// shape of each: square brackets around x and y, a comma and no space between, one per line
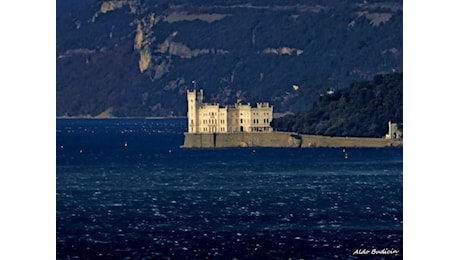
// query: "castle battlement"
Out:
[262,105]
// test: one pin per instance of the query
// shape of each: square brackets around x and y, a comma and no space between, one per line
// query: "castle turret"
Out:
[194,100]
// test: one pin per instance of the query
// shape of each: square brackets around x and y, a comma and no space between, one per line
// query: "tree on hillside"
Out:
[363,109]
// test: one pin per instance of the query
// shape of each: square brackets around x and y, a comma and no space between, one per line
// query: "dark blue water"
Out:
[125,190]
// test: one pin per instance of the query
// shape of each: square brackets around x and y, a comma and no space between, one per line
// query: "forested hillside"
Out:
[138,57]
[363,109]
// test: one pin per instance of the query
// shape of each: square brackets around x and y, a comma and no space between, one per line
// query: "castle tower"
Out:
[390,130]
[194,101]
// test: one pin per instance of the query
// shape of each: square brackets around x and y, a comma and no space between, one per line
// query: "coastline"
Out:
[114,117]
[276,139]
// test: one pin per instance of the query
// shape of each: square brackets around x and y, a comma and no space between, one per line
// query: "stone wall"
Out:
[329,141]
[280,139]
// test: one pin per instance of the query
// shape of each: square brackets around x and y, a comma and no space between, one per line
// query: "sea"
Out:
[126,190]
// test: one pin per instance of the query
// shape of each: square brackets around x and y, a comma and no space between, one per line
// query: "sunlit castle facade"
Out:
[214,118]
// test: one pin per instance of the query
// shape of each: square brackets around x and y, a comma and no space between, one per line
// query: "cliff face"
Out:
[137,57]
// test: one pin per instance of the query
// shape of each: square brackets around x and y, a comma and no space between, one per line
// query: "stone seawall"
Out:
[280,139]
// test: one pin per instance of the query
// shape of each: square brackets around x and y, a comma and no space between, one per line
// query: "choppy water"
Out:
[125,190]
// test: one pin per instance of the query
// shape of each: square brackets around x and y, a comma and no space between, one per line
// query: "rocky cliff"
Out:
[138,57]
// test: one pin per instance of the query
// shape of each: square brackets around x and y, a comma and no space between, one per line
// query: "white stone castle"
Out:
[214,118]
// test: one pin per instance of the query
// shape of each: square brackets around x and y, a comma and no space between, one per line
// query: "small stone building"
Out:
[395,131]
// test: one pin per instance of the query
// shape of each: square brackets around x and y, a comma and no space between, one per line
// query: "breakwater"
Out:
[280,139]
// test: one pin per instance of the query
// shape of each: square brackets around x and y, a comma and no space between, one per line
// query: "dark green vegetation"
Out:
[364,109]
[138,57]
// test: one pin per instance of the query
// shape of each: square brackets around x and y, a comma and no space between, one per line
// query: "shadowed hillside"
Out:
[137,58]
[363,109]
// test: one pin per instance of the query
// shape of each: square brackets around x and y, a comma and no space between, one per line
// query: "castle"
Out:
[214,118]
